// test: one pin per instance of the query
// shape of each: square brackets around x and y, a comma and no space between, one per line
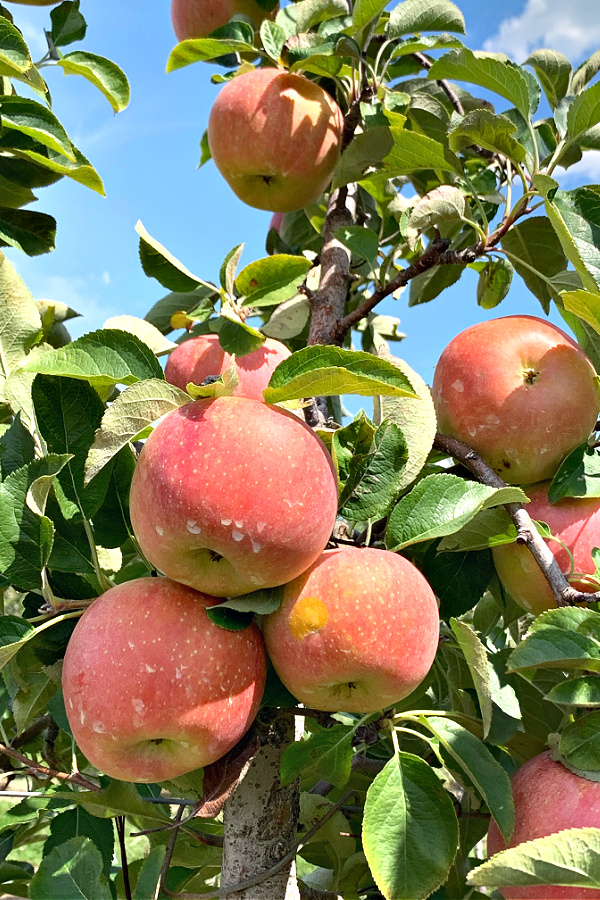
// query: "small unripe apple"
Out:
[202,356]
[520,392]
[231,495]
[197,18]
[358,631]
[153,688]
[575,521]
[275,138]
[548,798]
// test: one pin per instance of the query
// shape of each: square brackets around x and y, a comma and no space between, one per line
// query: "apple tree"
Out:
[396,540]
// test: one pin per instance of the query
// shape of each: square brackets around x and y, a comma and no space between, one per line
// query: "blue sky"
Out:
[148,155]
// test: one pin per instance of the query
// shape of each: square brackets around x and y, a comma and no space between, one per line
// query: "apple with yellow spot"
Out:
[356,632]
[153,688]
[198,358]
[231,494]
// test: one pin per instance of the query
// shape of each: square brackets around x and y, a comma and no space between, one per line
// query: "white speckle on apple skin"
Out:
[226,522]
[256,547]
[160,531]
[138,705]
[238,535]
[193,527]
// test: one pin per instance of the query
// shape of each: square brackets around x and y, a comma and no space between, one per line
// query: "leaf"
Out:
[534,249]
[149,876]
[326,755]
[489,528]
[79,168]
[79,823]
[161,314]
[577,476]
[311,12]
[405,802]
[493,72]
[584,304]
[20,323]
[31,232]
[374,481]
[289,319]
[580,743]
[119,799]
[134,410]
[415,417]
[273,38]
[553,647]
[586,71]
[327,371]
[479,667]
[364,11]
[494,283]
[570,858]
[487,775]
[413,152]
[270,281]
[575,216]
[147,333]
[72,871]
[15,61]
[361,241]
[158,263]
[582,691]
[261,602]
[102,73]
[102,358]
[68,25]
[482,128]
[36,121]
[443,204]
[415,16]
[204,49]
[457,579]
[229,619]
[440,505]
[584,112]
[365,153]
[430,284]
[17,447]
[14,634]
[554,72]
[236,336]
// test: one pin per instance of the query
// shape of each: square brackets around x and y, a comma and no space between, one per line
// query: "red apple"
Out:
[276,222]
[356,632]
[576,523]
[275,138]
[231,495]
[519,391]
[548,798]
[196,359]
[154,689]
[197,18]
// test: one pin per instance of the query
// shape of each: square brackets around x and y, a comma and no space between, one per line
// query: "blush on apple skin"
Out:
[197,358]
[548,798]
[357,632]
[231,495]
[197,18]
[575,521]
[520,392]
[153,688]
[275,138]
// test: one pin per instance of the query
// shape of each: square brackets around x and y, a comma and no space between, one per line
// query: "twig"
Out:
[450,94]
[72,778]
[120,826]
[527,533]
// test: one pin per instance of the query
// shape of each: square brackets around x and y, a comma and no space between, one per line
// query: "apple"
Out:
[575,521]
[356,632]
[548,798]
[197,18]
[276,222]
[275,137]
[231,495]
[197,358]
[36,2]
[153,688]
[519,391]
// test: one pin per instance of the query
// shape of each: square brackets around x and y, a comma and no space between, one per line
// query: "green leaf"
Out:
[326,755]
[440,505]
[236,336]
[584,112]
[72,871]
[582,691]
[578,475]
[78,822]
[56,164]
[363,242]
[493,72]
[575,216]
[17,447]
[273,38]
[477,660]
[415,16]
[494,283]
[261,602]
[443,204]
[119,799]
[289,319]
[20,323]
[31,232]
[430,284]
[554,72]
[554,648]
[158,263]
[405,802]
[134,410]
[229,619]
[270,281]
[326,371]
[14,634]
[311,12]
[203,49]
[364,11]
[482,128]
[15,61]
[534,249]
[413,152]
[365,153]
[570,858]
[487,775]
[102,358]
[457,579]
[355,439]
[229,268]
[101,72]
[374,480]
[149,876]
[161,313]
[68,25]
[37,122]
[584,304]
[586,71]
[580,743]
[145,331]
[489,528]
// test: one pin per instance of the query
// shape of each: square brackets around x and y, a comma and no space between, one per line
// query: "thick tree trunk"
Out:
[260,822]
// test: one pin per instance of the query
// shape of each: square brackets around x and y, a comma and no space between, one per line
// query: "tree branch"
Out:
[527,533]
[33,766]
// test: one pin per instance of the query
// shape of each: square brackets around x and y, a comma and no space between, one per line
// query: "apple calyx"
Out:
[216,385]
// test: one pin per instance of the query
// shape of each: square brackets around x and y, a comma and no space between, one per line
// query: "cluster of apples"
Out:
[524,395]
[231,495]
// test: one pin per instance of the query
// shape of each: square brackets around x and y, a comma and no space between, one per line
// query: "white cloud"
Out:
[79,295]
[573,28]
[587,171]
